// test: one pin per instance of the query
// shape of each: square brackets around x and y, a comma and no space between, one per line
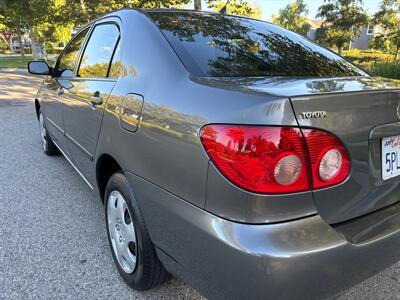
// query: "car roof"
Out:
[149,11]
[176,10]
[192,11]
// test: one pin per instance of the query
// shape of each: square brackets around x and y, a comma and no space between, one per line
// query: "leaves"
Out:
[52,21]
[237,7]
[82,11]
[293,17]
[24,14]
[387,20]
[343,21]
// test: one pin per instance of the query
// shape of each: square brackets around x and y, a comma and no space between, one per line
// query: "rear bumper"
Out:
[305,259]
[302,259]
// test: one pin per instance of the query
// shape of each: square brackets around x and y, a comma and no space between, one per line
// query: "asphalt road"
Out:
[52,234]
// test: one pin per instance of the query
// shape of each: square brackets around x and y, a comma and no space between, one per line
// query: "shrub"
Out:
[366,57]
[376,62]
[388,70]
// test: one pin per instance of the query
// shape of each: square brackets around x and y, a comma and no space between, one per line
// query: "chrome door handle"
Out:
[96,100]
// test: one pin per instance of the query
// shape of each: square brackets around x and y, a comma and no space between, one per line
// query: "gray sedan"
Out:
[229,152]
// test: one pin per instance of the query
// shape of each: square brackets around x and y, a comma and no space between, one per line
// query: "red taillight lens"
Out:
[275,160]
[330,161]
[258,159]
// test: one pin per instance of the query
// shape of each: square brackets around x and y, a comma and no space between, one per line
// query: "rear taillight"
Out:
[329,159]
[258,159]
[276,160]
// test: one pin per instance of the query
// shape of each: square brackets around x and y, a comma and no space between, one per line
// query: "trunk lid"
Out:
[360,111]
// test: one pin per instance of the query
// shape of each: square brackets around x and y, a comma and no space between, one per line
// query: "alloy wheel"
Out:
[122,232]
[43,132]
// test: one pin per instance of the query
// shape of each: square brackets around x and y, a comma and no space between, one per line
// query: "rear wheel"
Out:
[47,143]
[130,244]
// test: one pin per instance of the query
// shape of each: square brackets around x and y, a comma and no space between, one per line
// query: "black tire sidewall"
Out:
[118,182]
[50,148]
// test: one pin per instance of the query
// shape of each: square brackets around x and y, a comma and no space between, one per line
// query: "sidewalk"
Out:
[14,70]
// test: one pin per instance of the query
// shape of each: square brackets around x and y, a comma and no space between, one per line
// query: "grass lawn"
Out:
[14,62]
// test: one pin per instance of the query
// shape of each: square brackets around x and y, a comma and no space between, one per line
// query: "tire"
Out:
[47,143]
[122,213]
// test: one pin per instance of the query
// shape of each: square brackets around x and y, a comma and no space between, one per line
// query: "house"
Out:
[15,43]
[362,42]
[314,25]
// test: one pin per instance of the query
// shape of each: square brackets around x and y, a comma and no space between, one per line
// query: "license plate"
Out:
[390,157]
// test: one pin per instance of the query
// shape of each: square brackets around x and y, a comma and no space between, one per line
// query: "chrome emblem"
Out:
[313,114]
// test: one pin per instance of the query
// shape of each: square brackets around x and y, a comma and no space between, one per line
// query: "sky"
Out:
[271,7]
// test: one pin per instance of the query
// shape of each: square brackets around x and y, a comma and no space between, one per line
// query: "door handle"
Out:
[96,100]
[60,91]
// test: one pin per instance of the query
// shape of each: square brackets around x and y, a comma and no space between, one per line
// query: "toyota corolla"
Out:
[229,152]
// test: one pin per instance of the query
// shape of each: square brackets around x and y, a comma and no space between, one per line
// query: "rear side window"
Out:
[97,55]
[217,45]
[66,63]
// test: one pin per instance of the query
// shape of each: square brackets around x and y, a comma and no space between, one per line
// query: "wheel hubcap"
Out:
[42,131]
[122,232]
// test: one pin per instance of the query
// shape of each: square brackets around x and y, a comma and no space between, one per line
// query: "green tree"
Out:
[293,17]
[52,20]
[11,21]
[23,15]
[53,34]
[237,7]
[82,11]
[344,20]
[388,20]
[58,30]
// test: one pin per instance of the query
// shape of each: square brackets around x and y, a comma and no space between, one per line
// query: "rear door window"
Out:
[98,53]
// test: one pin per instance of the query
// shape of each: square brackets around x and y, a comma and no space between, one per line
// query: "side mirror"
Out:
[38,67]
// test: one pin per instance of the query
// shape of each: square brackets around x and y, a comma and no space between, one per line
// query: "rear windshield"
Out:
[227,46]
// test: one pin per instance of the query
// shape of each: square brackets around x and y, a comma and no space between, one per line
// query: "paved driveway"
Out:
[52,234]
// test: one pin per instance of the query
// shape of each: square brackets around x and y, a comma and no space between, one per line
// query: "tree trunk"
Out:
[21,46]
[34,46]
[340,50]
[397,44]
[197,4]
[396,55]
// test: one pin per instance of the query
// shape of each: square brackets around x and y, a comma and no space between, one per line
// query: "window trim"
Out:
[106,21]
[117,44]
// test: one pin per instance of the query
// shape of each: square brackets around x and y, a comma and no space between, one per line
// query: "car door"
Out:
[53,88]
[86,94]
